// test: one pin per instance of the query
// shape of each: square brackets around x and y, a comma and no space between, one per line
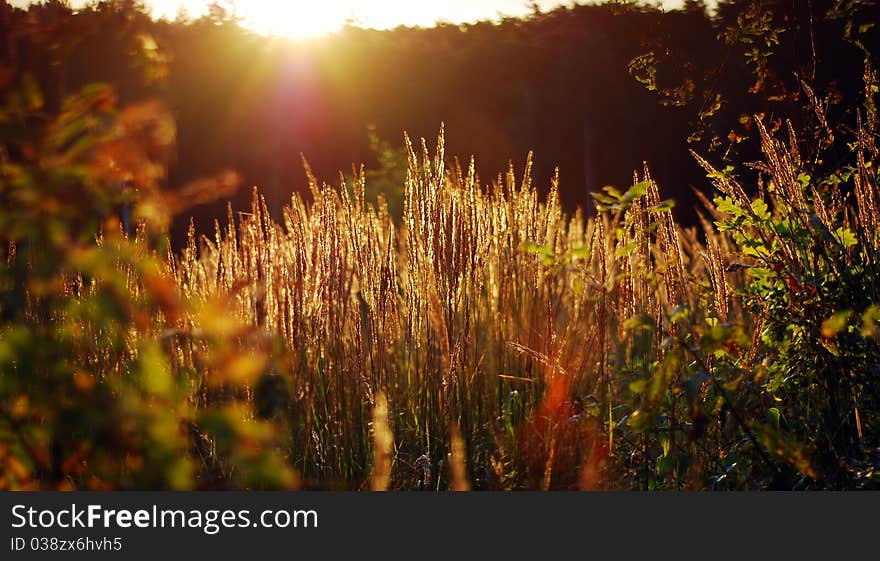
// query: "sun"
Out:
[296,20]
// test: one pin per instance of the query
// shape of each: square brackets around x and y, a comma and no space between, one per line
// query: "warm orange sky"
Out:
[310,18]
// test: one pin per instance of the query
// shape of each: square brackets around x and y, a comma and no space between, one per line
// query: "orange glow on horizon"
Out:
[308,19]
[290,19]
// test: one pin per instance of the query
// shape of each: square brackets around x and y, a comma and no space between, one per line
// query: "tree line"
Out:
[595,90]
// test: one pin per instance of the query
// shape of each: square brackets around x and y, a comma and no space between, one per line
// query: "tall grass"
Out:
[488,312]
[489,339]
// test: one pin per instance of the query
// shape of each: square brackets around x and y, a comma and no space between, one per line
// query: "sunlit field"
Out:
[413,325]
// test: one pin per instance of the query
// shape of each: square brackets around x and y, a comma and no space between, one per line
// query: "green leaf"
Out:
[726,205]
[537,249]
[804,179]
[835,324]
[678,313]
[638,323]
[722,175]
[155,374]
[612,192]
[639,386]
[664,206]
[870,323]
[773,416]
[579,252]
[635,192]
[604,199]
[625,250]
[760,273]
[761,209]
[846,237]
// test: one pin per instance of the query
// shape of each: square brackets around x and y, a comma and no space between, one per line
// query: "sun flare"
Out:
[307,19]
[292,19]
[299,19]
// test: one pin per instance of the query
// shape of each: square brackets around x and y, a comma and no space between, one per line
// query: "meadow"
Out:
[482,337]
